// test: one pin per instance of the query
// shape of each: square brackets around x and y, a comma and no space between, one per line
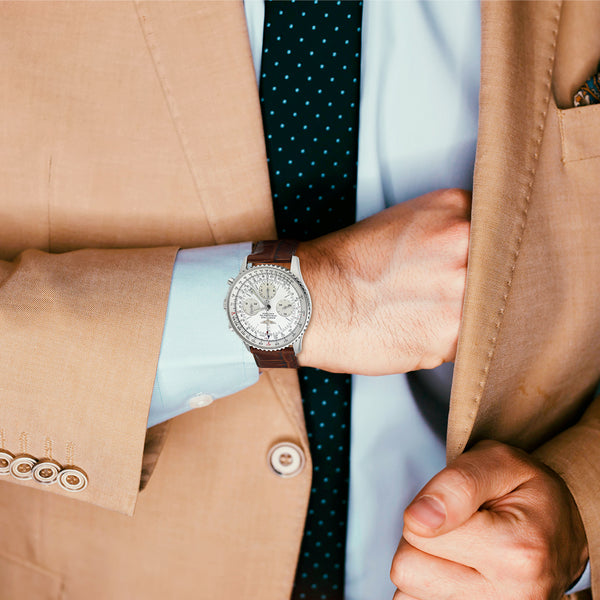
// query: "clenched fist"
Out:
[388,291]
[494,525]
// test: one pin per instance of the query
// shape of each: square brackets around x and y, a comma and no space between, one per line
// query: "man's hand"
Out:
[495,524]
[388,291]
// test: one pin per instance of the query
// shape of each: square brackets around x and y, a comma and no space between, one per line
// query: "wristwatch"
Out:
[268,304]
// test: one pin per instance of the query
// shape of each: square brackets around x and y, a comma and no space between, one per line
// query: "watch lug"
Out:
[244,264]
[295,269]
[295,266]
[297,345]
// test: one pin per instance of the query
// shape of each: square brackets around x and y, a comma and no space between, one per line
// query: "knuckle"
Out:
[459,233]
[531,561]
[459,230]
[514,458]
[500,451]
[457,197]
[460,483]
[453,243]
[433,361]
[402,572]
[532,557]
[398,573]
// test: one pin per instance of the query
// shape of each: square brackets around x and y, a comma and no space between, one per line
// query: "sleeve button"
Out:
[200,400]
[46,472]
[22,467]
[6,459]
[72,480]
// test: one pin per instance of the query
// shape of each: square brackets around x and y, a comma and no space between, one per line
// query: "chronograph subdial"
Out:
[251,306]
[284,308]
[267,290]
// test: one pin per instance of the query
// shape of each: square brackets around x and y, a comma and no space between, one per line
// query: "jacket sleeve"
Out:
[575,456]
[80,339]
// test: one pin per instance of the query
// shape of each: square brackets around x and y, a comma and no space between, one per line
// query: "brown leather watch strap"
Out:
[275,359]
[276,252]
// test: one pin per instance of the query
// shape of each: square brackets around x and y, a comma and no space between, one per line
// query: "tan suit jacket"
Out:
[129,129]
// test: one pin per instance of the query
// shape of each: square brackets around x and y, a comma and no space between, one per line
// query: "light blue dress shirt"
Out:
[418,131]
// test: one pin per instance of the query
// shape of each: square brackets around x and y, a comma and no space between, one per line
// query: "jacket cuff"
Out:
[575,456]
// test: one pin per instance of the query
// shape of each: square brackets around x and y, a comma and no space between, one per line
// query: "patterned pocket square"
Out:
[589,92]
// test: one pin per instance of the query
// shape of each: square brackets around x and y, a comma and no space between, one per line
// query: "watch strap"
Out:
[274,252]
[275,359]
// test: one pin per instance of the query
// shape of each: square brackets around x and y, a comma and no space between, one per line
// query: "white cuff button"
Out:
[46,472]
[72,480]
[286,459]
[6,459]
[200,400]
[22,467]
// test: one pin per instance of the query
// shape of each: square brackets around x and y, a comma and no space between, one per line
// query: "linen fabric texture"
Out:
[115,152]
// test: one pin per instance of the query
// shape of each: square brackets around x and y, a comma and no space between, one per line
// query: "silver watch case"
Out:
[293,272]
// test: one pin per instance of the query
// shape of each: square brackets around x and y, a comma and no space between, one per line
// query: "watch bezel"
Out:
[252,341]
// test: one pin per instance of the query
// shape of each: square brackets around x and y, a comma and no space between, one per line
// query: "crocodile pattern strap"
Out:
[275,359]
[273,252]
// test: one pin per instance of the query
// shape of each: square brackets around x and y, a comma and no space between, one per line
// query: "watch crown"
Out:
[230,280]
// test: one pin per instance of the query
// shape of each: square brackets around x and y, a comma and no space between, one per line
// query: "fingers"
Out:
[494,522]
[479,541]
[488,471]
[426,577]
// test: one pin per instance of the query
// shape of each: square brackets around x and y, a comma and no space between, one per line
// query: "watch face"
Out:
[268,306]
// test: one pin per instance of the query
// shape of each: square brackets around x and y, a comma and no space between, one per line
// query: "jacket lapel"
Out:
[518,47]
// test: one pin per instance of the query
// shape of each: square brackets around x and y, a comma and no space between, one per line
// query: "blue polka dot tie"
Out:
[309,90]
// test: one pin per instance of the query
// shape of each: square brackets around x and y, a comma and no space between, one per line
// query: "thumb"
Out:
[488,471]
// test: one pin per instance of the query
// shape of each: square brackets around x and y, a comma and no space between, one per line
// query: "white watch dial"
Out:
[268,306]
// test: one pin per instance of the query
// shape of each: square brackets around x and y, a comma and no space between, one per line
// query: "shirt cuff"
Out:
[200,357]
[583,583]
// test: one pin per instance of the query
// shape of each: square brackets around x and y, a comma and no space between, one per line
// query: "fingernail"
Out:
[428,511]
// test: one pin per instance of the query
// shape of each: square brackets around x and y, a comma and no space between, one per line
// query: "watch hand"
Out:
[259,298]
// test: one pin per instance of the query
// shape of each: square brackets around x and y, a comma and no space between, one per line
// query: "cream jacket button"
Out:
[6,459]
[22,467]
[72,480]
[286,459]
[200,400]
[46,472]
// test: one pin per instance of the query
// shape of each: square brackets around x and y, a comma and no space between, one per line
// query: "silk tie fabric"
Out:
[309,89]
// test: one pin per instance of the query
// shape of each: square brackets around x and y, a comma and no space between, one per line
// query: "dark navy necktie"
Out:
[309,88]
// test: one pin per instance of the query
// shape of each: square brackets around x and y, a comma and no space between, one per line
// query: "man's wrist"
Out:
[319,274]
